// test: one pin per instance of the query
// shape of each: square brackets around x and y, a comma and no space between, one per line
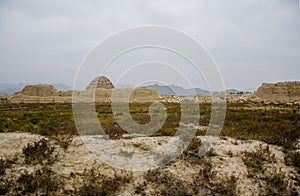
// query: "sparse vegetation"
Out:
[3,166]
[63,140]
[226,187]
[273,124]
[276,184]
[191,153]
[38,152]
[95,183]
[115,132]
[166,183]
[256,160]
[203,183]
[42,180]
[140,188]
[292,157]
[274,179]
[211,153]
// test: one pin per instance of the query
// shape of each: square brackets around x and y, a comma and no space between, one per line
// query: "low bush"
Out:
[41,180]
[64,140]
[276,184]
[226,187]
[292,157]
[95,183]
[116,132]
[140,188]
[192,150]
[256,160]
[166,184]
[38,152]
[3,166]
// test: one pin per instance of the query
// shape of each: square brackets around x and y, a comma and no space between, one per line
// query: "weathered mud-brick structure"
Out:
[279,92]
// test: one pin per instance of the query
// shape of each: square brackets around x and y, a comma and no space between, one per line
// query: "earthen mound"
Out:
[41,90]
[100,82]
[281,91]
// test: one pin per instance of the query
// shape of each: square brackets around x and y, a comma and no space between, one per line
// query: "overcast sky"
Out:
[252,41]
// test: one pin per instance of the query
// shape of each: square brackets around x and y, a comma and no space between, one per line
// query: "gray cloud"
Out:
[252,41]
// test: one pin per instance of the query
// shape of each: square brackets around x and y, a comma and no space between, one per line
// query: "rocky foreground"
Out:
[64,166]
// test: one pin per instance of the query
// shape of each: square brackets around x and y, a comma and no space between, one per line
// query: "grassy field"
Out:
[273,124]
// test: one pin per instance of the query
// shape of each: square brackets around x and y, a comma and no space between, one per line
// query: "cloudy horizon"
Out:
[251,41]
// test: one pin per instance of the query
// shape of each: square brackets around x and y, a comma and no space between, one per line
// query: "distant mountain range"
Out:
[170,90]
[176,90]
[9,89]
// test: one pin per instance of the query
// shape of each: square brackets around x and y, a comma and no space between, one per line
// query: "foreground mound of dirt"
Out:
[232,167]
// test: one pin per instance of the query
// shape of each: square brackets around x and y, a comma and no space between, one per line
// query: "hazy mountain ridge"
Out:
[170,90]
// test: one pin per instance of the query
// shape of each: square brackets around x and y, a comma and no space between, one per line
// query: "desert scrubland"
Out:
[257,152]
